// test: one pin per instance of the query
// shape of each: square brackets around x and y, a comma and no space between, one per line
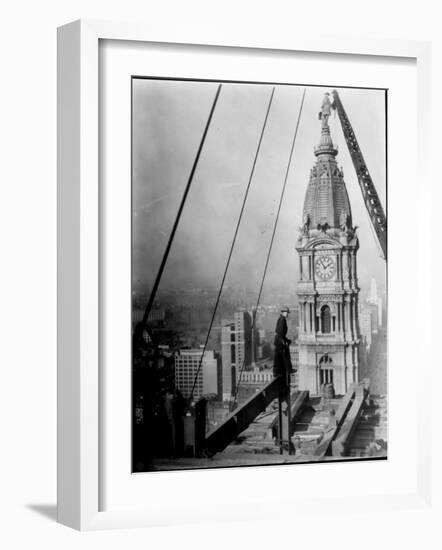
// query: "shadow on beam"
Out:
[218,439]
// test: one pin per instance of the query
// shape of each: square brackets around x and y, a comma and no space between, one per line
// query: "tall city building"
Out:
[373,296]
[188,372]
[368,322]
[375,300]
[366,325]
[328,290]
[236,350]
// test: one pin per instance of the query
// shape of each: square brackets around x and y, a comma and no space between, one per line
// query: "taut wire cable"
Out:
[254,312]
[232,246]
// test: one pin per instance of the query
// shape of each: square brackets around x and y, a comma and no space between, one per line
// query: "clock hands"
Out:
[325,267]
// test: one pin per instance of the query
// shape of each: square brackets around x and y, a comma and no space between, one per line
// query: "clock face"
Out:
[325,267]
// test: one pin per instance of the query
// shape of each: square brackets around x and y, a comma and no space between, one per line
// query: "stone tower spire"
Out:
[327,287]
[326,203]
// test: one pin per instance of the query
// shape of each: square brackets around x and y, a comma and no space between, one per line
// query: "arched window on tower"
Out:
[325,320]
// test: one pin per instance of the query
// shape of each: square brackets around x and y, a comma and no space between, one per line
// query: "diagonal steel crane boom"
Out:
[369,193]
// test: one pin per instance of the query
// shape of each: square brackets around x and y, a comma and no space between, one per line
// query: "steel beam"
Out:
[242,417]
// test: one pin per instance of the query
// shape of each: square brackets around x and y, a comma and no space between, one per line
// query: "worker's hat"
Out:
[285,308]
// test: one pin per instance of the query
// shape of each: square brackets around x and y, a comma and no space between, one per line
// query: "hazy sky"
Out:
[168,122]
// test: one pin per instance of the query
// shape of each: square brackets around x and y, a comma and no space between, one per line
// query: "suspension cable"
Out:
[232,246]
[271,242]
[178,216]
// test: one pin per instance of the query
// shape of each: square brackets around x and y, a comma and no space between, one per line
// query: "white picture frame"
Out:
[79,263]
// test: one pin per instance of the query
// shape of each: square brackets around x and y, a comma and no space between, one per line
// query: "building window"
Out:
[233,379]
[325,370]
[326,376]
[325,320]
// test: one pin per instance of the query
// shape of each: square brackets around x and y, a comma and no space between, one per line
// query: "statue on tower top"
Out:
[325,111]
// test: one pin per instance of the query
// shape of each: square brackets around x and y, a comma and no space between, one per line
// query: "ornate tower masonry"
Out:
[328,286]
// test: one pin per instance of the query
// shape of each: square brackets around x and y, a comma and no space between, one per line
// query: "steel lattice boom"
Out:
[369,193]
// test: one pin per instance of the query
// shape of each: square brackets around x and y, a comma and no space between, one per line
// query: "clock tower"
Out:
[328,286]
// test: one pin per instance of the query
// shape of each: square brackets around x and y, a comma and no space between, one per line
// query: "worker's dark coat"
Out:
[282,363]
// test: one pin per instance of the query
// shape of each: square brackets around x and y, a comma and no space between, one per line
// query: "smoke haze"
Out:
[168,122]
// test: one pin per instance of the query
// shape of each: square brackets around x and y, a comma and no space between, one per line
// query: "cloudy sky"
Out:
[168,121]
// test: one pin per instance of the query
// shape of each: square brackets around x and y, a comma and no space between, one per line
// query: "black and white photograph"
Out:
[259,274]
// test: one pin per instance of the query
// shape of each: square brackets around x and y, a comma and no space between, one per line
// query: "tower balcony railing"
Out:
[322,147]
[321,338]
[330,337]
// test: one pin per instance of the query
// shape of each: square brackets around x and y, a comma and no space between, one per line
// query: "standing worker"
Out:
[282,365]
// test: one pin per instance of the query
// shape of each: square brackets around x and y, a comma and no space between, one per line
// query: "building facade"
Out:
[376,301]
[368,322]
[236,350]
[328,340]
[366,326]
[189,372]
